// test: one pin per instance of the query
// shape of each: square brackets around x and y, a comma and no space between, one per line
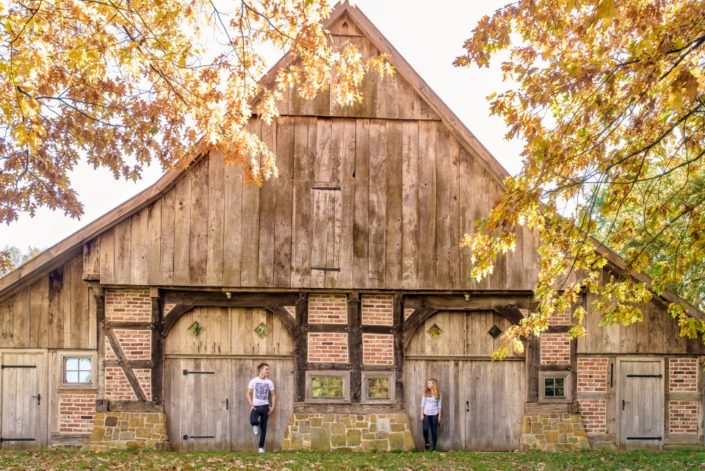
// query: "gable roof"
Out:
[73,244]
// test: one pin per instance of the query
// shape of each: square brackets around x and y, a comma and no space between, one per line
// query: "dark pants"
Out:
[259,416]
[430,422]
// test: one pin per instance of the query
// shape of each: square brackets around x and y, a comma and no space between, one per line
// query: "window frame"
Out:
[392,388]
[64,356]
[566,376]
[344,375]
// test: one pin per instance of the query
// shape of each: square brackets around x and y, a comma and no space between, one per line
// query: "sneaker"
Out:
[426,446]
[255,429]
[260,450]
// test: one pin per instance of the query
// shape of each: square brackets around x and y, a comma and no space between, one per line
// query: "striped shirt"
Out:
[431,405]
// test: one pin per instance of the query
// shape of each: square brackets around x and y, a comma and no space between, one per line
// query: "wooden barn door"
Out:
[641,403]
[219,350]
[483,400]
[199,403]
[24,400]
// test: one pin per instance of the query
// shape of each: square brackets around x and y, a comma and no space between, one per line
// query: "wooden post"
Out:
[301,343]
[157,346]
[533,360]
[355,346]
[398,327]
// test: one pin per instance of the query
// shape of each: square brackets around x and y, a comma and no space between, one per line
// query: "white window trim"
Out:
[62,373]
[390,375]
[345,375]
[567,386]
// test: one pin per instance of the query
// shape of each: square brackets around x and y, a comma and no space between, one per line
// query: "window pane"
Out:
[548,382]
[549,392]
[72,364]
[559,392]
[327,388]
[85,364]
[559,382]
[378,388]
[72,376]
[84,376]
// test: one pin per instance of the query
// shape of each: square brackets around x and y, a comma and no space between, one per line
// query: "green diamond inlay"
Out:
[195,329]
[261,330]
[434,331]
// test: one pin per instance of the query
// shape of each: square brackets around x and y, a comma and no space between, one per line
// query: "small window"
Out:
[327,387]
[378,387]
[554,387]
[78,370]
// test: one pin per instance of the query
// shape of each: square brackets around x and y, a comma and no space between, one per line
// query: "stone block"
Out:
[396,427]
[304,426]
[383,425]
[320,439]
[337,428]
[316,422]
[337,441]
[369,436]
[111,421]
[552,437]
[396,441]
[354,437]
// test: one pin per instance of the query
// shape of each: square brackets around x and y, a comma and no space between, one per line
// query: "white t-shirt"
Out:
[260,390]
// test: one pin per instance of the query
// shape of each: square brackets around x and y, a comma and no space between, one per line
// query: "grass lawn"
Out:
[56,459]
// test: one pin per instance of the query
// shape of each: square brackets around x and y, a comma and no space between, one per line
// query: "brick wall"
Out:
[594,414]
[118,388]
[136,344]
[328,309]
[592,374]
[377,349]
[555,349]
[563,318]
[683,416]
[76,412]
[378,309]
[683,374]
[328,347]
[132,305]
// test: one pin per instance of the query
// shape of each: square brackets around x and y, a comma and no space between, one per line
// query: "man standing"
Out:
[260,406]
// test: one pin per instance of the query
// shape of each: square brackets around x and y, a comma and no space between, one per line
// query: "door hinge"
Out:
[195,437]
[644,376]
[644,438]
[187,372]
[18,366]
[17,439]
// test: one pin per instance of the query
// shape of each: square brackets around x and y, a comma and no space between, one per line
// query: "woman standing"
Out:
[431,412]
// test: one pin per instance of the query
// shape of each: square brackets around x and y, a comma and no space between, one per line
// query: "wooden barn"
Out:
[345,275]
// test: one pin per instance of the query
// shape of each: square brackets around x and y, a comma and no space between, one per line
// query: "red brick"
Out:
[555,349]
[328,347]
[118,388]
[683,374]
[683,416]
[594,414]
[592,374]
[328,309]
[128,305]
[378,349]
[378,309]
[76,412]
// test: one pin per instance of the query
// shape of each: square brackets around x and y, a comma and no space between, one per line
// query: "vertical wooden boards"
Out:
[139,245]
[443,214]
[427,204]
[410,204]
[198,227]
[284,201]
[216,219]
[22,325]
[78,334]
[55,306]
[641,395]
[38,319]
[123,256]
[333,203]
[250,225]
[361,236]
[107,256]
[154,244]
[182,223]
[232,221]
[377,209]
[466,214]
[454,233]
[267,206]
[322,212]
[346,214]
[302,228]
[393,239]
[167,239]
[91,259]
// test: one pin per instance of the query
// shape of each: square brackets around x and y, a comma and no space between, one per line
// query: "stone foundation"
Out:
[356,432]
[554,432]
[129,430]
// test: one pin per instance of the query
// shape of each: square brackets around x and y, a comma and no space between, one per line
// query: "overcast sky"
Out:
[428,34]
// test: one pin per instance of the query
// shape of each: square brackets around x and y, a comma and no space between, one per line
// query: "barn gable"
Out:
[344,274]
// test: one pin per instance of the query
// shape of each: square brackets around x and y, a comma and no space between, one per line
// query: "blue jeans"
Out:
[259,416]
[430,422]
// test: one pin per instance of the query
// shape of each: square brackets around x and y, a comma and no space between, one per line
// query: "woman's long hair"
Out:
[434,390]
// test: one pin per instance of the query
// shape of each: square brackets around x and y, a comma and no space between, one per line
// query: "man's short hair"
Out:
[261,365]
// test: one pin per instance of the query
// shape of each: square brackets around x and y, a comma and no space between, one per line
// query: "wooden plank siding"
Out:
[52,312]
[378,204]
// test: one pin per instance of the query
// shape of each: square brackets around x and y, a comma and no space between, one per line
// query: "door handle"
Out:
[467,406]
[624,403]
[227,404]
[39,399]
